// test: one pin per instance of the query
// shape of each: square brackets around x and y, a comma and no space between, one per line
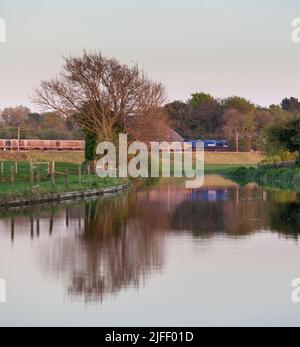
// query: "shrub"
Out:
[282,156]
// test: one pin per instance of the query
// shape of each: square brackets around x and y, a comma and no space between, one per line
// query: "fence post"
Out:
[67,179]
[38,176]
[53,167]
[53,175]
[79,176]
[31,177]
[12,177]
[16,167]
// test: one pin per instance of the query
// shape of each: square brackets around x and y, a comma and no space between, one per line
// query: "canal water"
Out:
[158,255]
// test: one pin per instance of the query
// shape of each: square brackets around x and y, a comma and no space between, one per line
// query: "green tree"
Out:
[90,146]
[291,104]
[284,136]
[198,98]
[181,116]
[242,105]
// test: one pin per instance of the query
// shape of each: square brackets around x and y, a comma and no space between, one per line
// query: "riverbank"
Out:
[35,182]
[267,175]
[38,199]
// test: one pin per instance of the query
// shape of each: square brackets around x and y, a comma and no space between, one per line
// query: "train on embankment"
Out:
[74,145]
[41,145]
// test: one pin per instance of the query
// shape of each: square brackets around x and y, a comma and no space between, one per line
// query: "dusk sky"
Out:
[223,47]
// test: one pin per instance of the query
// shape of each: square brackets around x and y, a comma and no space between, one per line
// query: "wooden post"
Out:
[31,177]
[12,177]
[16,167]
[53,175]
[67,179]
[53,181]
[38,176]
[79,176]
[53,167]
[2,168]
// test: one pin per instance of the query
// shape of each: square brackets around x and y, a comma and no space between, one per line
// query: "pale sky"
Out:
[224,47]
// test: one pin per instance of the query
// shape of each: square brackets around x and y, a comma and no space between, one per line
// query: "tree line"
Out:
[44,126]
[246,126]
[95,98]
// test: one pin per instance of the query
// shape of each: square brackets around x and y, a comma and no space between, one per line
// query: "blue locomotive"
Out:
[210,145]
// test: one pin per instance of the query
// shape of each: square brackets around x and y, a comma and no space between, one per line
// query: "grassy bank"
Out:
[62,157]
[211,158]
[29,181]
[231,158]
[211,169]
[283,178]
[71,175]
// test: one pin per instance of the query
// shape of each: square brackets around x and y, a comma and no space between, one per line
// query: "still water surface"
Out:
[159,255]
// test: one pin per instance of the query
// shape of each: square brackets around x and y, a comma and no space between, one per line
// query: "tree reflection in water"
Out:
[117,243]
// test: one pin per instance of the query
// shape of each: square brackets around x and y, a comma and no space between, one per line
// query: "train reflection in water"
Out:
[209,195]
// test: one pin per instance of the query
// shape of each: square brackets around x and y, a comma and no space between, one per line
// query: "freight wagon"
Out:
[41,145]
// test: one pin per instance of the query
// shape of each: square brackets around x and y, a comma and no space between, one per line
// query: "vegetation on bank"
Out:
[267,175]
[281,168]
[21,180]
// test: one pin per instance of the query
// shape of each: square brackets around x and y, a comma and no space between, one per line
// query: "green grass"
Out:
[14,185]
[282,178]
[232,158]
[223,169]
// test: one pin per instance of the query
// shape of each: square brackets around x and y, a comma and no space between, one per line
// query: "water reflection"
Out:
[101,247]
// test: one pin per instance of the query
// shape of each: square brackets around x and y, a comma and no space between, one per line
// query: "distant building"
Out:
[173,136]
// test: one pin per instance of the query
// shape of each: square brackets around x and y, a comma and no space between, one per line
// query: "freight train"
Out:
[73,145]
[41,145]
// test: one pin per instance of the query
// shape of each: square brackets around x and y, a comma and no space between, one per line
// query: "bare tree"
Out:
[14,116]
[101,94]
[241,126]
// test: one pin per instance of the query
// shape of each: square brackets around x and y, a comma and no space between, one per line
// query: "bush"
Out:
[90,146]
[282,156]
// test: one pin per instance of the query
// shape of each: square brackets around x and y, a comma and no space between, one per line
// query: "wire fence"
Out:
[28,177]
